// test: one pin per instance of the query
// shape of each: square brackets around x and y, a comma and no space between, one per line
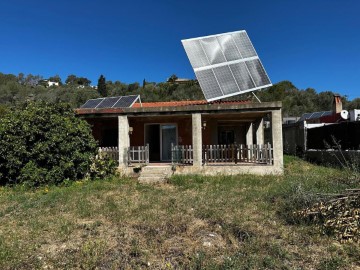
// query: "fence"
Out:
[138,154]
[182,154]
[259,154]
[110,152]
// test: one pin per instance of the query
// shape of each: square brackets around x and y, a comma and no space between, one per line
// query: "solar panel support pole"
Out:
[258,99]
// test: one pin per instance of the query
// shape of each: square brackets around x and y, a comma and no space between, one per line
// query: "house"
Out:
[179,80]
[48,83]
[224,137]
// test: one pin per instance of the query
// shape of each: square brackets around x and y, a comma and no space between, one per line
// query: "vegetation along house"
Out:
[189,136]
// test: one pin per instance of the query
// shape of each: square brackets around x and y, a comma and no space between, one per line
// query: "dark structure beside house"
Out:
[324,136]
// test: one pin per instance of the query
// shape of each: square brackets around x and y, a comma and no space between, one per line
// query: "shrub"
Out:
[42,143]
[102,166]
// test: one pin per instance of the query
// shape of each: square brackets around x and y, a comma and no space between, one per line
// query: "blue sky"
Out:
[311,43]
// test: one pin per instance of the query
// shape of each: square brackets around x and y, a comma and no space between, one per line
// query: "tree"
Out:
[71,79]
[144,83]
[74,80]
[83,81]
[172,78]
[21,78]
[56,78]
[354,104]
[44,143]
[102,86]
[32,80]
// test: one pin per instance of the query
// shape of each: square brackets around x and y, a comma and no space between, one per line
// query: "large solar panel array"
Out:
[111,102]
[226,64]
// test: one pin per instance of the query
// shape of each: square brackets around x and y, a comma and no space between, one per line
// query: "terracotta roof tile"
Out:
[185,103]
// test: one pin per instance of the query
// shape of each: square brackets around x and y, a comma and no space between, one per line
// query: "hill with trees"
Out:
[76,90]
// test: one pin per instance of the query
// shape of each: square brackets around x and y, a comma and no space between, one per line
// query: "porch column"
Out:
[277,139]
[124,140]
[259,127]
[249,134]
[197,139]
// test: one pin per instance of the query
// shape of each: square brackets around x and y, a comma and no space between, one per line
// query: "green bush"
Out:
[102,166]
[42,143]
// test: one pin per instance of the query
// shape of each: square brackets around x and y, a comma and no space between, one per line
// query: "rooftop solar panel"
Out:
[111,102]
[125,102]
[108,102]
[91,103]
[226,64]
[314,115]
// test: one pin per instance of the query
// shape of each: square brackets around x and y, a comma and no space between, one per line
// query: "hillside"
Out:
[239,222]
[77,90]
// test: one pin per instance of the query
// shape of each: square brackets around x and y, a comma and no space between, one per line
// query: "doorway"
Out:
[160,137]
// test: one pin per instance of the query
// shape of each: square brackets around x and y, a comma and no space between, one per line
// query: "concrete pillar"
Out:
[124,140]
[259,129]
[197,139]
[277,139]
[249,134]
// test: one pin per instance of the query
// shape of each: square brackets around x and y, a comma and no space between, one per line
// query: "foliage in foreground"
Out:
[42,143]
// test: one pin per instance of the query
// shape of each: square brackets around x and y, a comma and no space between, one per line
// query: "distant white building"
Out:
[48,83]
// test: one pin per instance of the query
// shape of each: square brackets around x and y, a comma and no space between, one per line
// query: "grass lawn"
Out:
[193,222]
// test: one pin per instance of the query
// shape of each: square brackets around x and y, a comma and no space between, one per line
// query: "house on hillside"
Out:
[48,83]
[189,136]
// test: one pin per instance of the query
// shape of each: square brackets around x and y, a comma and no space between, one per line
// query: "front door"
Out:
[168,137]
[160,137]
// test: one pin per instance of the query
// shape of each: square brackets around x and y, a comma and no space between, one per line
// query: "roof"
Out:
[322,117]
[314,115]
[184,103]
[181,107]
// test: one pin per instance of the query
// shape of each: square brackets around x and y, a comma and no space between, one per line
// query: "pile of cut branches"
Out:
[336,214]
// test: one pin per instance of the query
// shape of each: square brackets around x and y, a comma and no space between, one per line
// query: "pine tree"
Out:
[144,83]
[102,86]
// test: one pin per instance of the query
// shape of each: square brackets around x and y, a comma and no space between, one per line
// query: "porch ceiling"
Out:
[235,117]
[159,118]
[224,117]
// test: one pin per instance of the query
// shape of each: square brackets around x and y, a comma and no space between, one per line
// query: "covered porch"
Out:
[192,136]
[205,141]
[237,138]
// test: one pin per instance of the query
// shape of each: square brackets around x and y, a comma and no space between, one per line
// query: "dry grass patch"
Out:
[190,223]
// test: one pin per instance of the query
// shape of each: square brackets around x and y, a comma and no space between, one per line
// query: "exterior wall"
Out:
[334,158]
[213,127]
[104,130]
[259,131]
[294,139]
[137,138]
[277,142]
[249,134]
[124,140]
[218,170]
[230,170]
[197,139]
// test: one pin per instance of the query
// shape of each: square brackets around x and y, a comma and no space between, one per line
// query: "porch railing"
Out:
[181,154]
[110,152]
[138,154]
[258,154]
